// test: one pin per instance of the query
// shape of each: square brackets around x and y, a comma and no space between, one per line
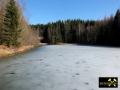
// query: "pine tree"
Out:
[11,30]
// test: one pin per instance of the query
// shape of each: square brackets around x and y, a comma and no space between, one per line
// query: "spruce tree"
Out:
[11,30]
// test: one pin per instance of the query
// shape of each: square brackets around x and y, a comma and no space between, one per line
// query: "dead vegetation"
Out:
[28,38]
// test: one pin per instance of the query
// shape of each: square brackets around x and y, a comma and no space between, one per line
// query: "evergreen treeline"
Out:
[102,32]
[14,30]
[10,30]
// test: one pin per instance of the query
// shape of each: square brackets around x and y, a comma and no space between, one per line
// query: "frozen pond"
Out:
[60,67]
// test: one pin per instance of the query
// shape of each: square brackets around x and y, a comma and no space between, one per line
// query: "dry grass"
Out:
[5,51]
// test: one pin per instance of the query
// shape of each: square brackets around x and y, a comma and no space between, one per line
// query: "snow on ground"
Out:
[60,67]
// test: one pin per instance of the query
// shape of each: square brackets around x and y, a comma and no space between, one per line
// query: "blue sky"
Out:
[44,11]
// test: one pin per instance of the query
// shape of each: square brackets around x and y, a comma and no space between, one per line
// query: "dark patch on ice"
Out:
[41,60]
[73,76]
[75,89]
[65,72]
[59,55]
[37,60]
[117,56]
[86,83]
[9,66]
[77,74]
[83,61]
[47,65]
[91,89]
[27,73]
[12,73]
[77,62]
[57,70]
[35,67]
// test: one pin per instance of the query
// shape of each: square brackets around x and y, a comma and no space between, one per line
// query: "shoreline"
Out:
[7,52]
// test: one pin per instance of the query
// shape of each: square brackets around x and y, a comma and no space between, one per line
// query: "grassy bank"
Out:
[5,51]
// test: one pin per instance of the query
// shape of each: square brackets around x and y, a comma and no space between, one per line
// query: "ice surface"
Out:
[60,67]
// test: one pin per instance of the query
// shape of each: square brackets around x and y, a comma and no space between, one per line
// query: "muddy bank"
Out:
[6,52]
